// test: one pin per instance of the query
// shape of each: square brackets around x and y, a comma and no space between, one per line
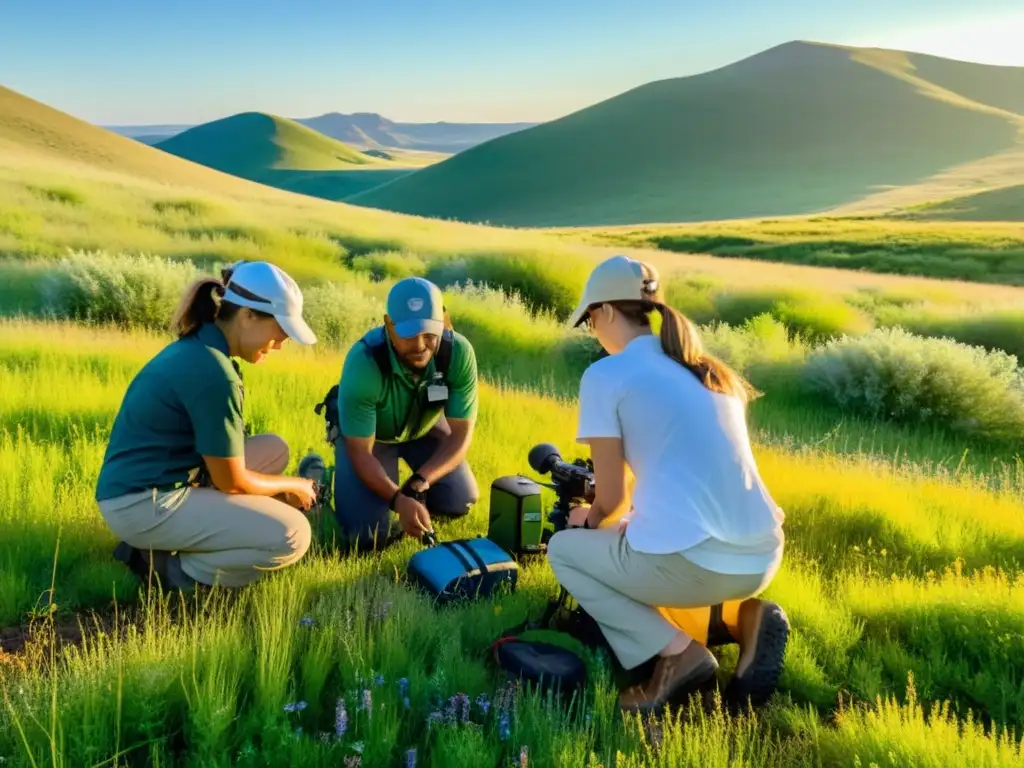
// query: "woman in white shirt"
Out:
[702,528]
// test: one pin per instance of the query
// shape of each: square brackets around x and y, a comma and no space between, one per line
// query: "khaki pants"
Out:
[221,538]
[618,586]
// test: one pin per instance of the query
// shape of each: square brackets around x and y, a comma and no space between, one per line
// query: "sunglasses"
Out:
[588,320]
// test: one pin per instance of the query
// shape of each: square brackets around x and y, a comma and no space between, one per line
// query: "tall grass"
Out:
[880,564]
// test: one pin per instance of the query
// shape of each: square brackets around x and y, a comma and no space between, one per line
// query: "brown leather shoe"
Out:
[672,676]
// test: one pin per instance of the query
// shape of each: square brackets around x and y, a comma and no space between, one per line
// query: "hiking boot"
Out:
[764,632]
[673,676]
[142,562]
[176,578]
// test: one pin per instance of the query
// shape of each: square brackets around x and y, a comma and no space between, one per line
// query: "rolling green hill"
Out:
[798,129]
[1002,204]
[282,153]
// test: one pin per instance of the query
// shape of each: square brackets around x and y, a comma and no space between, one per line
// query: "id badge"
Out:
[437,393]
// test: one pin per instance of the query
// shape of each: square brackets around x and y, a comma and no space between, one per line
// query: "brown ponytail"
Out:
[681,341]
[202,303]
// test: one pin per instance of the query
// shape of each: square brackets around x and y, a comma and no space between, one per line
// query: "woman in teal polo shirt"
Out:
[192,498]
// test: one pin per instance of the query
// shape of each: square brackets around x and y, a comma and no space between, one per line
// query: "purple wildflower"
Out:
[410,758]
[483,703]
[379,680]
[403,686]
[297,706]
[306,621]
[340,719]
[459,703]
[449,714]
[504,727]
[367,701]
[434,718]
[406,703]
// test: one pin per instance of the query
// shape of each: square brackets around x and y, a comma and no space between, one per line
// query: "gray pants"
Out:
[228,539]
[619,588]
[364,517]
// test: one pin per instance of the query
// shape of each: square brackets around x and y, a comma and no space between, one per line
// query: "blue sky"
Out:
[130,62]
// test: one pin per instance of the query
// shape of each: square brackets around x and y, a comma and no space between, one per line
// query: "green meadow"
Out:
[888,430]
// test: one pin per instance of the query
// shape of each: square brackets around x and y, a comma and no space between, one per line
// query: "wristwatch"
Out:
[408,490]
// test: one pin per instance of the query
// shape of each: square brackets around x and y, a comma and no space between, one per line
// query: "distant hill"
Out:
[367,130]
[282,153]
[251,142]
[797,129]
[1002,204]
[372,130]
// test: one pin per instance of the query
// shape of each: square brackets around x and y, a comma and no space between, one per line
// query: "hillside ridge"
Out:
[800,128]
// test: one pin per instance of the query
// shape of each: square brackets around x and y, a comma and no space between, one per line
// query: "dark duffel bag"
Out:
[465,569]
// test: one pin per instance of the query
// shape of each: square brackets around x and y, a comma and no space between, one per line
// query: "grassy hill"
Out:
[1002,204]
[282,153]
[797,129]
[250,142]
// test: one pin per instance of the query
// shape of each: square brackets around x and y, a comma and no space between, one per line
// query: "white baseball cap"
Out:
[262,286]
[619,278]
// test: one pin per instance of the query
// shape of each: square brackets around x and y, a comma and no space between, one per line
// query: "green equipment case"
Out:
[516,520]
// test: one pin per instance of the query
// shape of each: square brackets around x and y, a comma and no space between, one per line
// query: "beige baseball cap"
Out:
[619,278]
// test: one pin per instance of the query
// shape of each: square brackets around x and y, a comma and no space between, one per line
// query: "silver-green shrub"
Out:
[340,314]
[132,290]
[894,375]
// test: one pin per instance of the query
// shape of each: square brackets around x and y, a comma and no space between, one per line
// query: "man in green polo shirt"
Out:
[408,391]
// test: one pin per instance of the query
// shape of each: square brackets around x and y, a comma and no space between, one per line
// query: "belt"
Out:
[178,485]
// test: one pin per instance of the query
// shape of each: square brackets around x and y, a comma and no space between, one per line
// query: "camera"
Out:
[573,483]
[517,520]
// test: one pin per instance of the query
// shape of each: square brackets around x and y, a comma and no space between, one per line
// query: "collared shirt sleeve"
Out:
[214,406]
[462,381]
[598,406]
[358,394]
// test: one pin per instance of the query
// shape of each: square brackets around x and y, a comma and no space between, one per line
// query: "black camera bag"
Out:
[548,666]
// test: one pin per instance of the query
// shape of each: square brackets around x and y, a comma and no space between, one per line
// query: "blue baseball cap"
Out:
[416,306]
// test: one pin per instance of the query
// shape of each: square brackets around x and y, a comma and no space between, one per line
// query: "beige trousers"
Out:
[227,539]
[618,586]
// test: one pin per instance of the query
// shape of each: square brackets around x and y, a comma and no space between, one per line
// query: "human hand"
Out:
[413,516]
[578,516]
[302,494]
